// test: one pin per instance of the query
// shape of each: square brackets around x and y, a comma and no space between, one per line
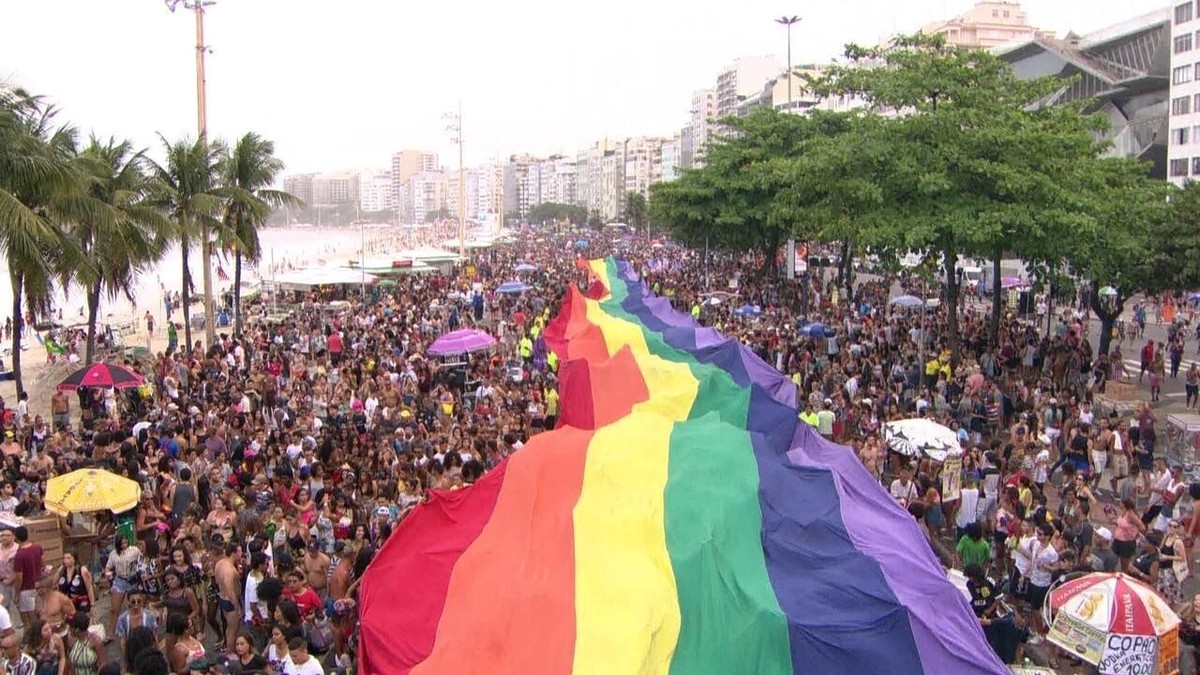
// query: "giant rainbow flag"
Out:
[678,521]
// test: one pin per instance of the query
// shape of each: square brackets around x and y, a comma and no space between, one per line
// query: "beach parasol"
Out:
[581,243]
[513,287]
[907,301]
[462,341]
[1107,291]
[525,267]
[88,490]
[105,375]
[815,330]
[1011,282]
[1115,622]
[747,310]
[922,438]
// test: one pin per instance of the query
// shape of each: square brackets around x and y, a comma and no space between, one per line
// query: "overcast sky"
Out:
[344,84]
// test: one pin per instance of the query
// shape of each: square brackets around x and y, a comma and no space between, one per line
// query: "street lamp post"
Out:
[197,7]
[788,21]
[455,127]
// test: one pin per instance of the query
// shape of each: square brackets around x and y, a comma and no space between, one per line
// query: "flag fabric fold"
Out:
[678,520]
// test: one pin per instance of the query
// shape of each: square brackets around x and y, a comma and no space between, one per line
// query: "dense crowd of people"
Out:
[276,462]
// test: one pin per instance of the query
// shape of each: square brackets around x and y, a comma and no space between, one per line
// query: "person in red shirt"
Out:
[306,599]
[333,344]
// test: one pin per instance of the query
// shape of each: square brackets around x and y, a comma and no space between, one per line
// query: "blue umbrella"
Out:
[525,267]
[581,243]
[747,310]
[512,287]
[907,301]
[816,330]
[1193,296]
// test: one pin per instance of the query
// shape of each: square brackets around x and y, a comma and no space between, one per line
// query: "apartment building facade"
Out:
[1183,149]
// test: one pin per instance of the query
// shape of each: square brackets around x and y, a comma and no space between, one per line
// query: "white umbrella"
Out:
[917,437]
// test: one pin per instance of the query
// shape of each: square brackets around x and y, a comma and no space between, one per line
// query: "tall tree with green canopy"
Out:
[733,201]
[1131,249]
[977,165]
[637,213]
[249,169]
[39,188]
[187,189]
[121,240]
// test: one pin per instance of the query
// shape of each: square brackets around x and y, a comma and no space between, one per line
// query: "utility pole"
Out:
[455,127]
[789,21]
[197,7]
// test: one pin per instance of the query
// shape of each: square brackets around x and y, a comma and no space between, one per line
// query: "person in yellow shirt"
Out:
[550,395]
[808,415]
[525,349]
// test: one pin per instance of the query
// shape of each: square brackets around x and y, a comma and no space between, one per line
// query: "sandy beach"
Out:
[290,249]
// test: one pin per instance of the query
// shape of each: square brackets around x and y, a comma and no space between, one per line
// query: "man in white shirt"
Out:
[903,489]
[251,604]
[301,662]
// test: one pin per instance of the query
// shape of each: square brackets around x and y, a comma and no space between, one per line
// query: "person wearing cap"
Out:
[825,419]
[1102,558]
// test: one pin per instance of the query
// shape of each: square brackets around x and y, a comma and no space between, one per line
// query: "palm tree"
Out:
[250,167]
[127,237]
[186,190]
[38,188]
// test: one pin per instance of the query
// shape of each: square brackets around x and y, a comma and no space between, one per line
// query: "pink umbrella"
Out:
[1011,282]
[461,341]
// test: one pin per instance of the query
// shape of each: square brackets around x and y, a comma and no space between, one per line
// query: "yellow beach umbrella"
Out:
[89,490]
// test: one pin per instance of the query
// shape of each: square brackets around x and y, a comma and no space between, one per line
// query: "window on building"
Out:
[1181,105]
[1197,77]
[1006,13]
[1178,167]
[1196,102]
[1183,13]
[996,13]
[1196,166]
[1183,43]
[1181,74]
[1179,136]
[1196,133]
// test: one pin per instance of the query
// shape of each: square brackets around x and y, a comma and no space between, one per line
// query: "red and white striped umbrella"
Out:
[1114,621]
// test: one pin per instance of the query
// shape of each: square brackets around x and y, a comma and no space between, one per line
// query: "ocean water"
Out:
[283,249]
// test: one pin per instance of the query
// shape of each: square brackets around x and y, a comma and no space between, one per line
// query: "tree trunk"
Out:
[950,264]
[210,323]
[847,264]
[93,303]
[1108,317]
[187,297]
[18,287]
[994,330]
[237,292]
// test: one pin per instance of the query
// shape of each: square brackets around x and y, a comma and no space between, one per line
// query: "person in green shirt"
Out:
[973,548]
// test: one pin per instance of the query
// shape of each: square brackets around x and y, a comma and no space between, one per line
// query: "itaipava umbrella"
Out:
[513,287]
[461,341]
[815,330]
[1113,621]
[88,490]
[922,438]
[104,375]
[907,301]
[747,310]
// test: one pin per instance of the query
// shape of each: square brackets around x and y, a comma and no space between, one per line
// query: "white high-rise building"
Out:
[669,159]
[704,122]
[643,165]
[375,191]
[744,78]
[1183,149]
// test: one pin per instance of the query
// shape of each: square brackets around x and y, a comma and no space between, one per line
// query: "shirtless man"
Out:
[229,596]
[316,569]
[869,455]
[56,607]
[339,580]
